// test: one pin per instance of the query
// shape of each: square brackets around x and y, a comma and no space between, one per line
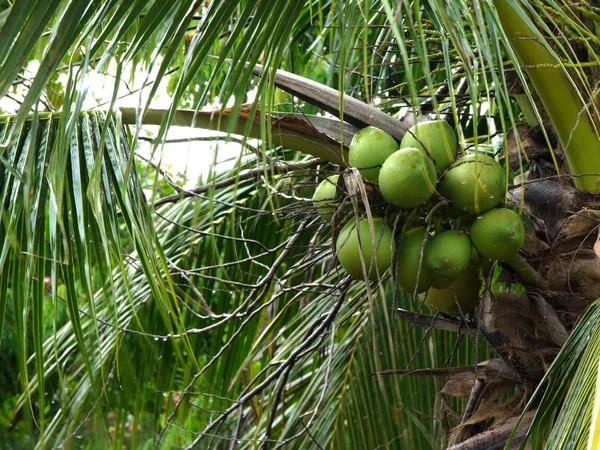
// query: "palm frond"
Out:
[568,386]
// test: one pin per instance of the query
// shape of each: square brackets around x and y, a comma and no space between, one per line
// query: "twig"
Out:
[245,175]
[247,304]
[278,393]
[238,428]
[473,399]
[461,326]
[311,334]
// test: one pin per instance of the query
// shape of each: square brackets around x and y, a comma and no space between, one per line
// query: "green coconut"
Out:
[409,259]
[369,148]
[463,291]
[407,178]
[475,183]
[437,138]
[380,245]
[440,283]
[448,254]
[324,197]
[498,234]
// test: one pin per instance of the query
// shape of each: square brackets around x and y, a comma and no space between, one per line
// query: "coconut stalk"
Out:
[571,118]
[326,138]
[341,105]
[523,269]
[323,137]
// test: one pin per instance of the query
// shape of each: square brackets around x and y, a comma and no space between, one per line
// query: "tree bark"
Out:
[497,437]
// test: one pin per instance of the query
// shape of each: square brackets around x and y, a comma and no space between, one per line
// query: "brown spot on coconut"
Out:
[448,254]
[498,233]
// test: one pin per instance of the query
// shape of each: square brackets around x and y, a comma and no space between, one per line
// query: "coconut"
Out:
[463,291]
[448,254]
[377,249]
[435,137]
[409,260]
[498,234]
[440,283]
[407,178]
[475,183]
[324,197]
[369,148]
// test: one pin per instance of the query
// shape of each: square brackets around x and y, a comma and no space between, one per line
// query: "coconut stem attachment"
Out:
[527,273]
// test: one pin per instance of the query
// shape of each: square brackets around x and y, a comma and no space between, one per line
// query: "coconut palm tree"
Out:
[136,312]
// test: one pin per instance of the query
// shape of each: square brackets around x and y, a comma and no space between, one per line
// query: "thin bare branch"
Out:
[439,322]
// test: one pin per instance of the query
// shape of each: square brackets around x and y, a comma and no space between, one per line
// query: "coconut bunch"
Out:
[447,215]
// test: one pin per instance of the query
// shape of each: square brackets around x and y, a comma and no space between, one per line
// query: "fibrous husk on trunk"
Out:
[567,219]
[528,329]
[496,437]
